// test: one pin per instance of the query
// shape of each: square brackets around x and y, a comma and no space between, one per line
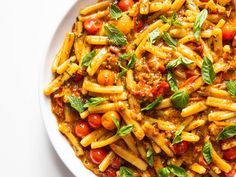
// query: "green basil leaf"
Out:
[124,56]
[231,87]
[178,171]
[180,99]
[163,172]
[185,61]
[172,82]
[169,40]
[152,37]
[76,103]
[208,73]
[115,35]
[123,131]
[150,157]
[94,101]
[126,172]
[131,61]
[123,70]
[153,104]
[115,12]
[164,19]
[116,122]
[180,60]
[174,20]
[88,58]
[178,133]
[227,132]
[199,22]
[207,152]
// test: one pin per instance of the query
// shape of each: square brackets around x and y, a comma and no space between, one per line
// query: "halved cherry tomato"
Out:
[92,26]
[160,88]
[82,129]
[230,154]
[97,155]
[228,31]
[124,5]
[181,148]
[107,121]
[110,172]
[106,77]
[94,120]
[116,163]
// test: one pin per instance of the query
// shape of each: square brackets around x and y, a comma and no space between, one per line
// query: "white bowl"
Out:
[59,142]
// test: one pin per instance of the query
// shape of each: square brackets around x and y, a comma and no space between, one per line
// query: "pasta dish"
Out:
[148,88]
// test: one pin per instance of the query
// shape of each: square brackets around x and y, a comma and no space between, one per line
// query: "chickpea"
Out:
[106,77]
[107,121]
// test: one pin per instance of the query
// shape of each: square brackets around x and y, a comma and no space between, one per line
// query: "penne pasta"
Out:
[95,7]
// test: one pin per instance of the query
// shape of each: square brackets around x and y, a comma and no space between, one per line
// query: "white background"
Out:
[26,26]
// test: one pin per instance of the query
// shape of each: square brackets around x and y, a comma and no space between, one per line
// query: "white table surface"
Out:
[25,29]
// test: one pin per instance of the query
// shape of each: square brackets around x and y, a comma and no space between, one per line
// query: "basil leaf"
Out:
[150,157]
[231,87]
[185,61]
[124,56]
[180,60]
[208,73]
[163,172]
[178,133]
[199,22]
[169,40]
[153,104]
[76,103]
[115,12]
[174,20]
[207,152]
[132,61]
[88,58]
[116,122]
[123,131]
[227,132]
[152,37]
[172,82]
[178,171]
[123,70]
[116,36]
[94,101]
[180,99]
[126,172]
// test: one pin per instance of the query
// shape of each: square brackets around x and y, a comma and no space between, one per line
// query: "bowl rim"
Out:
[58,141]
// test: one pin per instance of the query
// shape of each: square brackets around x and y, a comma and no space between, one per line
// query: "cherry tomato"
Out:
[107,121]
[82,129]
[228,31]
[181,147]
[92,26]
[97,155]
[230,154]
[138,25]
[94,120]
[124,5]
[231,173]
[160,88]
[110,172]
[116,163]
[106,77]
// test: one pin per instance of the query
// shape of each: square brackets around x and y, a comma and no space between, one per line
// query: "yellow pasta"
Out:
[193,109]
[94,7]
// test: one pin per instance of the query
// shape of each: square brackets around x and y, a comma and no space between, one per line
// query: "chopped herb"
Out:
[124,56]
[123,131]
[153,104]
[207,152]
[208,73]
[231,87]
[126,172]
[94,101]
[115,12]
[199,22]
[169,40]
[180,60]
[172,82]
[88,58]
[178,133]
[180,99]
[173,21]
[178,171]
[115,35]
[163,172]
[76,103]
[150,157]
[152,37]
[130,65]
[227,132]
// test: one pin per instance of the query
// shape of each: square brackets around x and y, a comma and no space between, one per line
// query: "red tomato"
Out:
[181,148]
[110,172]
[92,26]
[231,173]
[138,25]
[160,88]
[228,31]
[124,5]
[82,129]
[94,120]
[97,155]
[230,154]
[116,163]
